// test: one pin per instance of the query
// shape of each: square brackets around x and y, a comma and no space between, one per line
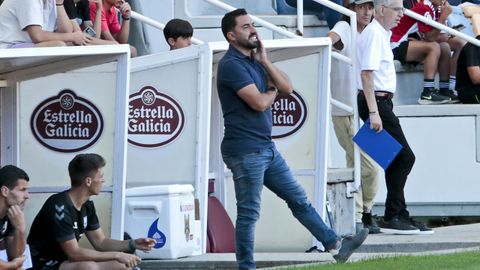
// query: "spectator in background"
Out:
[434,55]
[78,12]
[468,74]
[343,121]
[377,84]
[111,29]
[37,23]
[178,33]
[454,47]
[424,48]
[13,196]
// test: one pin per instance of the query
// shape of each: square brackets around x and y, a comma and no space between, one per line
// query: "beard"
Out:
[249,44]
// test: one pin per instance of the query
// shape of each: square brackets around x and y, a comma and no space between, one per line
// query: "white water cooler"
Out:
[165,213]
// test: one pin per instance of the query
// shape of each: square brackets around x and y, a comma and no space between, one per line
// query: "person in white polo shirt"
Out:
[376,82]
[343,120]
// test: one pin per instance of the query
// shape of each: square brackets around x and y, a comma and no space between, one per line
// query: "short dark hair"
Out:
[83,166]
[229,21]
[9,176]
[176,28]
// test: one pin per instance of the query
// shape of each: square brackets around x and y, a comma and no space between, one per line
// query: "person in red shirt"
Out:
[111,29]
[430,46]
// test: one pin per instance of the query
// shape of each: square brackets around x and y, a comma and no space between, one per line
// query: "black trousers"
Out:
[471,96]
[397,173]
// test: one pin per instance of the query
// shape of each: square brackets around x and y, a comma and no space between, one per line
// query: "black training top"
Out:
[469,57]
[59,221]
[6,228]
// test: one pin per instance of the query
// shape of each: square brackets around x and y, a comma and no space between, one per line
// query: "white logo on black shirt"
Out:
[59,211]
[4,228]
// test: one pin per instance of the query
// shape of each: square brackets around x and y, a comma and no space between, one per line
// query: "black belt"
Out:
[383,94]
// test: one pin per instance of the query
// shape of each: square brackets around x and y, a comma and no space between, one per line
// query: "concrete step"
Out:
[226,261]
[339,175]
[444,240]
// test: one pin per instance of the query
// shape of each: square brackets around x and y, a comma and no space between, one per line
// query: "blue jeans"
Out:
[250,173]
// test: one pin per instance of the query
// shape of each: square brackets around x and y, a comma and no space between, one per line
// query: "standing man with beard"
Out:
[247,84]
[13,196]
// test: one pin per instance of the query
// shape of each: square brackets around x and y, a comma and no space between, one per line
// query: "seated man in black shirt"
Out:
[67,215]
[13,196]
[468,74]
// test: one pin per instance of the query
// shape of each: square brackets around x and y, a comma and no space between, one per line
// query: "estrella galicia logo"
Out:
[288,115]
[154,118]
[156,234]
[66,122]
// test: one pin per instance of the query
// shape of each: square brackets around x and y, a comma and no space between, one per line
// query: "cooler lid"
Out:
[158,190]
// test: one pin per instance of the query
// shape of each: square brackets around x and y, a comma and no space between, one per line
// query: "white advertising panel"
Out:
[162,124]
[169,122]
[298,138]
[300,132]
[63,115]
[59,102]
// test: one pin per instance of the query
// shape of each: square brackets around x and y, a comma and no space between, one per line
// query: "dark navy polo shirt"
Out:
[246,130]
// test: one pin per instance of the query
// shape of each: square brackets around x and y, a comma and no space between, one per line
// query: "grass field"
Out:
[460,261]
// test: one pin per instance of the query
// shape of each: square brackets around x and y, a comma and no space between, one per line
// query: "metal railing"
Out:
[255,19]
[442,27]
[351,61]
[161,26]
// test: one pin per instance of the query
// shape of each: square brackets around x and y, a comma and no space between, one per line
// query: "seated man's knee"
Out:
[247,215]
[444,47]
[457,43]
[51,43]
[59,43]
[433,47]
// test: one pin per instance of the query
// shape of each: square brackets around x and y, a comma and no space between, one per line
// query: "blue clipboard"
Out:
[381,147]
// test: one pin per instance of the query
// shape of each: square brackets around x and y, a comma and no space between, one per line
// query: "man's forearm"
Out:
[122,37]
[113,245]
[368,90]
[16,245]
[63,22]
[97,23]
[278,77]
[8,265]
